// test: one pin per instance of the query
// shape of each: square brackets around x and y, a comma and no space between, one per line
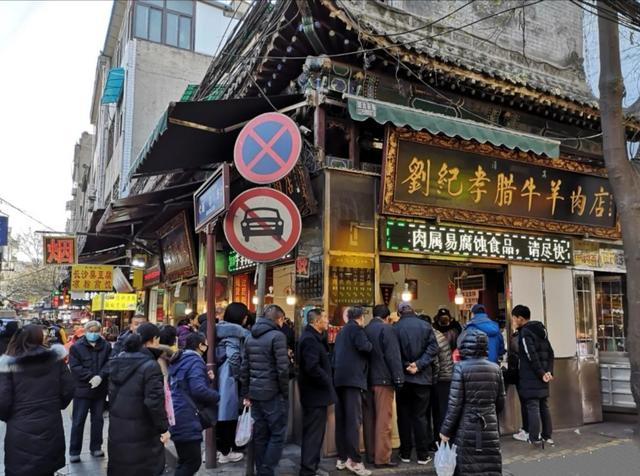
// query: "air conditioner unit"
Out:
[473,282]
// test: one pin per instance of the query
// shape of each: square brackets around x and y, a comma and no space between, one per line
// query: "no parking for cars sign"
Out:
[262,224]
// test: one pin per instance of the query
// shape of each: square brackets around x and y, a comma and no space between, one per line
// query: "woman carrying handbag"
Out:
[194,403]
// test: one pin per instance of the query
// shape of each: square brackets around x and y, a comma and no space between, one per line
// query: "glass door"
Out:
[610,314]
[584,295]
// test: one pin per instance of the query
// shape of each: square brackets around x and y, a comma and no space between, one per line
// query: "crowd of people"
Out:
[444,378]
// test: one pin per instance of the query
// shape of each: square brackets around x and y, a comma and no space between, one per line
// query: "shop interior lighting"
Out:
[406,295]
[254,300]
[291,298]
[459,299]
[188,310]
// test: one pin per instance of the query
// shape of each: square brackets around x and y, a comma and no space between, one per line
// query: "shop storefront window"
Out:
[610,314]
[584,313]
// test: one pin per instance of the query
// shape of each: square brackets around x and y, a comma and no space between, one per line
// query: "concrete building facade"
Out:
[81,203]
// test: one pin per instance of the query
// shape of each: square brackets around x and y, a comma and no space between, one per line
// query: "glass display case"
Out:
[610,314]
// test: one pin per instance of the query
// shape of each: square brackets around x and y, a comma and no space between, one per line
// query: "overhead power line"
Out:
[25,213]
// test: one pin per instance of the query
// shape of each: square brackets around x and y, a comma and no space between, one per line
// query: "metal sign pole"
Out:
[261,269]
[210,434]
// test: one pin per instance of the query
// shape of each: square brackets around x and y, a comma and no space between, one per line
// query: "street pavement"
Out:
[604,449]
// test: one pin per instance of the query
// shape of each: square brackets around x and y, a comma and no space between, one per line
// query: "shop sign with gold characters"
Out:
[424,179]
[91,277]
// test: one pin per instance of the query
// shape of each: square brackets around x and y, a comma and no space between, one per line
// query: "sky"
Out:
[48,53]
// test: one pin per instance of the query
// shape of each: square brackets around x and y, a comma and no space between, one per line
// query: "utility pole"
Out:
[624,176]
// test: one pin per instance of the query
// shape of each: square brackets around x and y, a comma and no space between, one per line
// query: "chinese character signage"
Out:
[91,277]
[598,256]
[456,180]
[114,302]
[212,198]
[420,237]
[59,250]
[237,262]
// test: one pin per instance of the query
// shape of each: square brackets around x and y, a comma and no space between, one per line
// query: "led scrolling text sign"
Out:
[457,241]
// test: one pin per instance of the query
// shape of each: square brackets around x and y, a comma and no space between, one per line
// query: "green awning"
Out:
[361,109]
[113,86]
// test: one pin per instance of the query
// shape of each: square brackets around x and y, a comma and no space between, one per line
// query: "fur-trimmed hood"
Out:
[39,356]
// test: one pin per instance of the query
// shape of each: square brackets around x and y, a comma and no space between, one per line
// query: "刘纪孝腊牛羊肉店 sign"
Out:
[461,181]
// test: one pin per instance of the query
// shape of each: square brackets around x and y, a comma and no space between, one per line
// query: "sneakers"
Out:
[405,460]
[521,436]
[74,458]
[550,442]
[97,454]
[357,468]
[425,461]
[340,465]
[232,457]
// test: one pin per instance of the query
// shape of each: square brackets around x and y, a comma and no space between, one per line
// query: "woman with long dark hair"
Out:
[137,418]
[35,386]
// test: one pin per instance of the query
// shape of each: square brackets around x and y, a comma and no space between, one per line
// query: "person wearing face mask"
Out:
[191,389]
[88,361]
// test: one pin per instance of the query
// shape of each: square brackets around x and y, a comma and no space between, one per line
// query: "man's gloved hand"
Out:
[95,381]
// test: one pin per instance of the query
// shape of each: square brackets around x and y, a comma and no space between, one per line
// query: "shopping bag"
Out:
[168,404]
[444,461]
[244,427]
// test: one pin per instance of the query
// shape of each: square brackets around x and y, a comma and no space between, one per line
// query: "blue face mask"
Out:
[92,336]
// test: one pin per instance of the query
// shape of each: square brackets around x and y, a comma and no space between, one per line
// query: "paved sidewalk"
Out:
[604,449]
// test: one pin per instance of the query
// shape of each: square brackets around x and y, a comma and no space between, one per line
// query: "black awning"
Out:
[137,209]
[191,135]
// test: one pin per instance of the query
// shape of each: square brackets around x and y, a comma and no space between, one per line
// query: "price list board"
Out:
[351,286]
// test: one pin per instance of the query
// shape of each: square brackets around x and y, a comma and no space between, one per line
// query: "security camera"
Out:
[305,130]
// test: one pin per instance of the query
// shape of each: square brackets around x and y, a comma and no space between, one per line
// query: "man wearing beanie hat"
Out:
[482,322]
[88,361]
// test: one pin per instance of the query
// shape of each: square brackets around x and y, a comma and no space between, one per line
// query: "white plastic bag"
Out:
[244,428]
[444,461]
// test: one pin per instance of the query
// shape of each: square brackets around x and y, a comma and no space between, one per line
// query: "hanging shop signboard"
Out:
[59,250]
[598,256]
[238,263]
[461,181]
[91,277]
[212,198]
[177,251]
[114,302]
[454,241]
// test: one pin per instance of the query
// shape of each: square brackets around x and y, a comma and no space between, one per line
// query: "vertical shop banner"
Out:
[386,290]
[59,250]
[4,231]
[91,277]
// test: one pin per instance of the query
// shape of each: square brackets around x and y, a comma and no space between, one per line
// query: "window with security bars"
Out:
[165,21]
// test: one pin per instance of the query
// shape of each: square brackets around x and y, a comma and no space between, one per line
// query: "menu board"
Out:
[351,286]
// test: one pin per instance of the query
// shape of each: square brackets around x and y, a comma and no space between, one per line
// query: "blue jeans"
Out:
[269,432]
[81,407]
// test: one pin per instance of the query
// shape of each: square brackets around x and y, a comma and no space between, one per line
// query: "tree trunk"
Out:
[624,176]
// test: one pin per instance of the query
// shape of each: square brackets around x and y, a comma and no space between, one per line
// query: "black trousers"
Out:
[348,421]
[314,423]
[412,402]
[81,407]
[538,411]
[226,436]
[189,457]
[439,403]
[524,413]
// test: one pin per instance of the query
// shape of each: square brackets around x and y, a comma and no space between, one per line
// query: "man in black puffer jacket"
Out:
[475,399]
[536,371]
[264,381]
[88,360]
